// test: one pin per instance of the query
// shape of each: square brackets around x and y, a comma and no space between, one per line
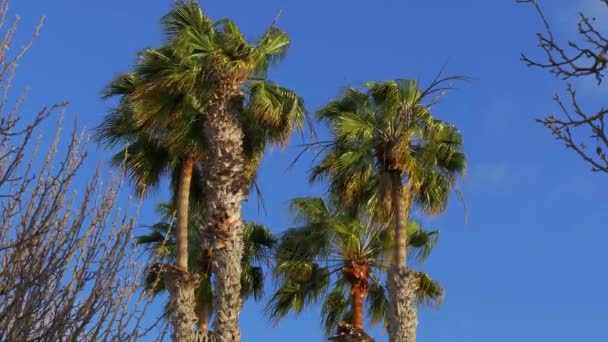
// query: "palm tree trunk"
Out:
[401,208]
[183,206]
[180,283]
[224,184]
[356,297]
[402,318]
[181,286]
[402,286]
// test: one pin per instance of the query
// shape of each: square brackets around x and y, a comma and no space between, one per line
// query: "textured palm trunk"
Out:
[402,286]
[180,283]
[402,318]
[181,286]
[357,273]
[224,184]
[183,206]
[356,297]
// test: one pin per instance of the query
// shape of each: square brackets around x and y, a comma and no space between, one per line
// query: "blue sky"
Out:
[529,263]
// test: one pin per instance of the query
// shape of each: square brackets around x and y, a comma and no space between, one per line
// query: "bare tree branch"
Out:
[67,268]
[581,130]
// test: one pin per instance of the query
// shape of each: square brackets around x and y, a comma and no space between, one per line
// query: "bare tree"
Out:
[580,129]
[67,269]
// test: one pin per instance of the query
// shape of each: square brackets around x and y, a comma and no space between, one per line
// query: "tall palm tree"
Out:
[167,90]
[227,76]
[159,135]
[387,152]
[161,243]
[335,257]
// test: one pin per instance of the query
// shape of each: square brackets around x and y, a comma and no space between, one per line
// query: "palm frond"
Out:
[421,242]
[377,304]
[271,49]
[259,243]
[252,282]
[334,309]
[430,292]
[153,283]
[293,295]
[145,164]
[186,16]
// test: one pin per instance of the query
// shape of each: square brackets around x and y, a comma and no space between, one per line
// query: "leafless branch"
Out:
[67,268]
[579,129]
[574,58]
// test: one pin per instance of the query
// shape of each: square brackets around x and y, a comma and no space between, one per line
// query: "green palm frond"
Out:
[155,122]
[308,210]
[152,280]
[272,48]
[259,243]
[152,238]
[252,282]
[294,270]
[289,297]
[354,127]
[334,310]
[430,292]
[145,162]
[123,84]
[377,304]
[276,109]
[351,101]
[186,17]
[293,295]
[421,242]
[303,244]
[118,128]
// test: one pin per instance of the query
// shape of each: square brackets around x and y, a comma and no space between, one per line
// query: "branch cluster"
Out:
[581,130]
[66,270]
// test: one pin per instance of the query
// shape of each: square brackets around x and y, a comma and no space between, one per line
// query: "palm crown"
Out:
[155,125]
[155,132]
[338,258]
[387,128]
[205,53]
[208,52]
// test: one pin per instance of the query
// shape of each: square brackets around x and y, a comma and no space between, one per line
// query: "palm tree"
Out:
[161,114]
[387,152]
[337,258]
[161,243]
[226,74]
[158,133]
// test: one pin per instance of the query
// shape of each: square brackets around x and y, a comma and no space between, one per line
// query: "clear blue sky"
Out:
[530,263]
